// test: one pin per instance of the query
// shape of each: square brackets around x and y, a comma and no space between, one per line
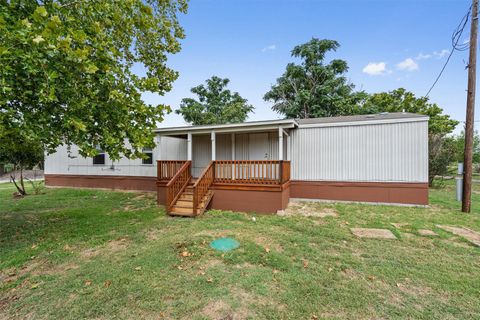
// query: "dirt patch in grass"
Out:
[112,247]
[307,209]
[218,309]
[267,243]
[36,268]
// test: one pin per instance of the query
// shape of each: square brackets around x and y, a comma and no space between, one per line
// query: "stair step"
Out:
[182,210]
[184,203]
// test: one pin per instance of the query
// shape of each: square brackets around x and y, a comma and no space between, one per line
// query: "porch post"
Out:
[233,155]
[233,146]
[280,143]
[288,147]
[159,148]
[189,146]
[213,146]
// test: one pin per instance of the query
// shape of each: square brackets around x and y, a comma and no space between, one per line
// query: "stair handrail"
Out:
[203,183]
[177,184]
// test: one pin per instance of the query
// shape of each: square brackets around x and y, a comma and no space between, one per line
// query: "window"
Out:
[149,153]
[100,157]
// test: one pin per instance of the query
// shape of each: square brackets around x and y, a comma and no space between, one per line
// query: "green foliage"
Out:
[402,100]
[22,150]
[312,88]
[459,141]
[441,153]
[215,104]
[66,70]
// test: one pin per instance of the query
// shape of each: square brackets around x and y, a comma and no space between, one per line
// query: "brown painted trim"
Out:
[379,192]
[139,183]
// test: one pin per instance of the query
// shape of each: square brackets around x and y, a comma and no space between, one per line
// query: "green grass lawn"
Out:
[74,254]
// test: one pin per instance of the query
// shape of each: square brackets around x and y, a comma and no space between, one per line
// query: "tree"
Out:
[441,151]
[460,147]
[215,104]
[312,88]
[20,150]
[66,70]
[400,100]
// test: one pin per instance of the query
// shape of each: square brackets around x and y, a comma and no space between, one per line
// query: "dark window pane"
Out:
[148,160]
[99,159]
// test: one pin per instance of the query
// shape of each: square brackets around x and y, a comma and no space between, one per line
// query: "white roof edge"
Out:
[229,127]
[364,122]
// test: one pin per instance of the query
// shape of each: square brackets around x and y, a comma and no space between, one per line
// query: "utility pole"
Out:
[472,69]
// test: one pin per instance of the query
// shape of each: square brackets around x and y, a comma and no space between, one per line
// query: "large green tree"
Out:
[313,88]
[66,70]
[401,100]
[215,105]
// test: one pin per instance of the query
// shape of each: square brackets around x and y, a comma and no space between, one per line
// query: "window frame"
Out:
[100,155]
[148,152]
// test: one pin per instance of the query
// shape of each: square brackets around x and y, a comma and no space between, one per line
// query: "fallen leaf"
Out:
[107,283]
[88,282]
[314,317]
[371,278]
[210,280]
[305,263]
[267,249]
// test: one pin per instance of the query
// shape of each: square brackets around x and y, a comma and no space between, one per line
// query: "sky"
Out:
[387,44]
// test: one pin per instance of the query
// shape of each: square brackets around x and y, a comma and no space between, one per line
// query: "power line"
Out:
[457,33]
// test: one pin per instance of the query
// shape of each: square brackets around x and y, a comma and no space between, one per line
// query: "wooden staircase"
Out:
[183,206]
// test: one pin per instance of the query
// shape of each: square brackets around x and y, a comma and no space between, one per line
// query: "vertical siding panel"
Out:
[372,152]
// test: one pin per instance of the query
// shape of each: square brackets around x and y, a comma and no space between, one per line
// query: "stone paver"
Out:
[470,235]
[373,233]
[427,233]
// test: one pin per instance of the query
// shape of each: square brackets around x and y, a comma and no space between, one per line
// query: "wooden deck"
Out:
[188,197]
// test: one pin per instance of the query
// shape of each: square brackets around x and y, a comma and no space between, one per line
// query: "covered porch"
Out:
[233,167]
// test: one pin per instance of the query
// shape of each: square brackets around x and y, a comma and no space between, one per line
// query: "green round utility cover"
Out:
[225,244]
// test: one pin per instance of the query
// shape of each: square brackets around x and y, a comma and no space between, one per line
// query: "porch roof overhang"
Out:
[230,128]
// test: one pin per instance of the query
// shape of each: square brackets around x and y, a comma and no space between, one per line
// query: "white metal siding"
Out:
[395,152]
[64,162]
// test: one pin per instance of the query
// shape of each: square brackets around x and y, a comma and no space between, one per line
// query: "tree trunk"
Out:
[21,187]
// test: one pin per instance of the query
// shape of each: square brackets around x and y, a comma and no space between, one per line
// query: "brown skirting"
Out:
[105,182]
[379,192]
[255,200]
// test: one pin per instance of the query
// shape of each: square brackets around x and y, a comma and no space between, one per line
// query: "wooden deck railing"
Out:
[201,186]
[166,169]
[178,183]
[285,171]
[264,172]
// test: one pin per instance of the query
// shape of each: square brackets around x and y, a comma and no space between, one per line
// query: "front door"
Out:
[258,146]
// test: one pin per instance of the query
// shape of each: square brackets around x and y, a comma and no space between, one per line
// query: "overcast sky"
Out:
[387,44]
